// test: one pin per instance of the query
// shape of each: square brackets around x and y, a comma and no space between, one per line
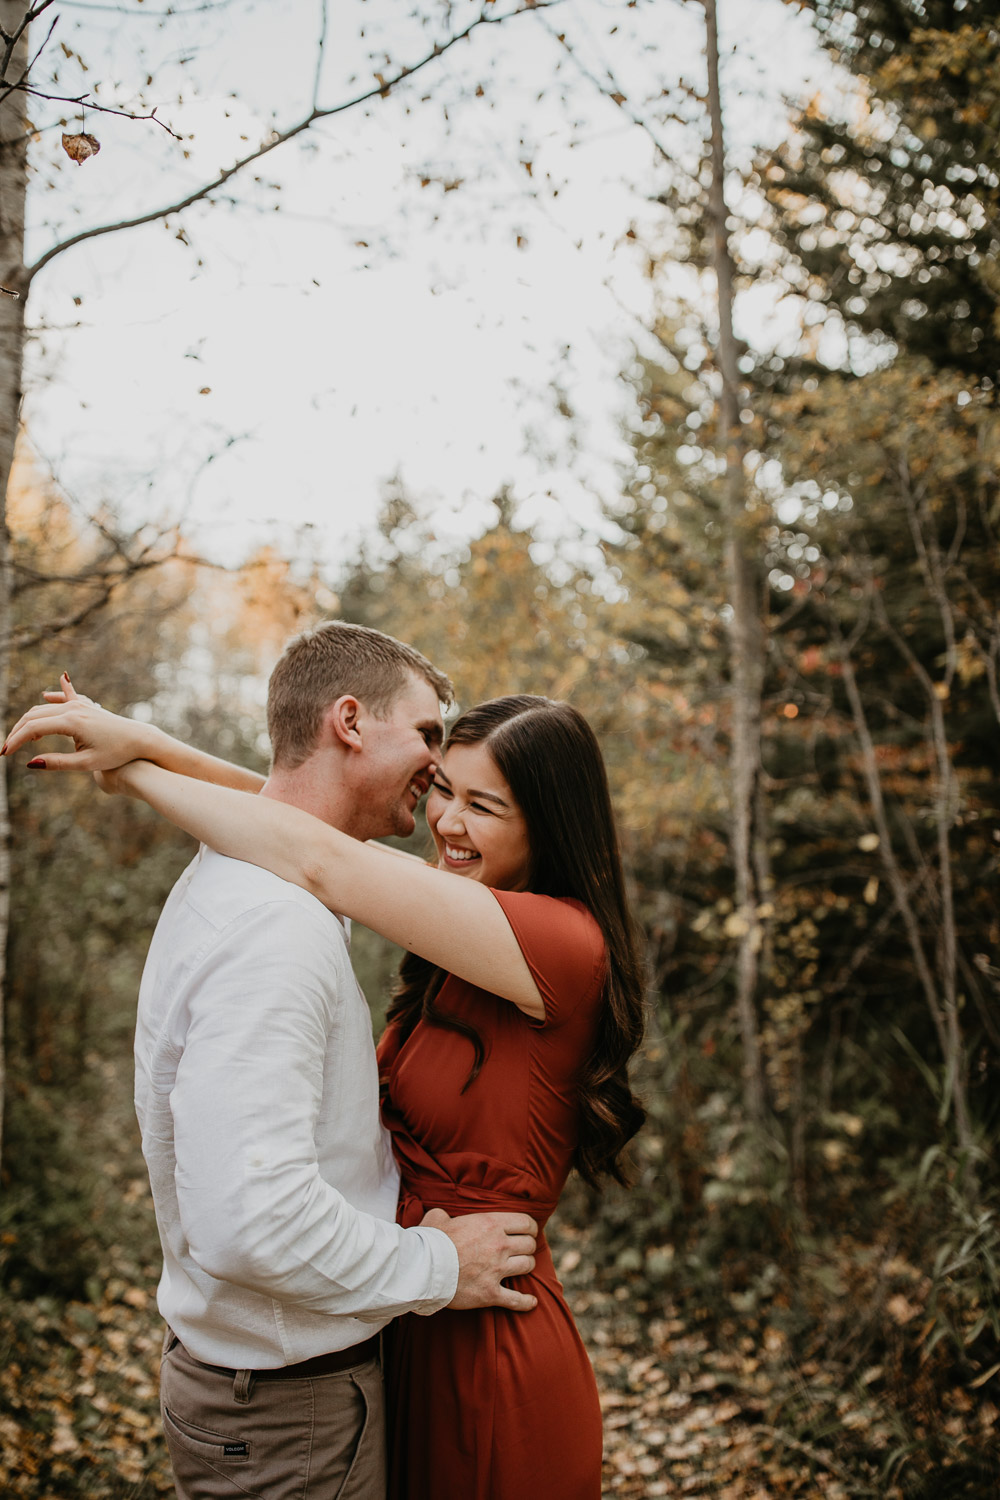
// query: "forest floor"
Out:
[79,1414]
[698,1402]
[685,1413]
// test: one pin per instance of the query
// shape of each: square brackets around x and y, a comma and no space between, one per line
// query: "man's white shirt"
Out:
[256,1089]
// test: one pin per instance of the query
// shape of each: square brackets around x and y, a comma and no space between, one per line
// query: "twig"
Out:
[12,38]
[146,13]
[612,90]
[20,84]
[26,638]
[279,138]
[320,51]
[816,1456]
[873,935]
[85,101]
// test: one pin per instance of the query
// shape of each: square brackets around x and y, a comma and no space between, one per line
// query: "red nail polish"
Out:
[3,748]
[36,765]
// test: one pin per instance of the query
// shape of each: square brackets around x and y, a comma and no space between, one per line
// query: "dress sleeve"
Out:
[563,947]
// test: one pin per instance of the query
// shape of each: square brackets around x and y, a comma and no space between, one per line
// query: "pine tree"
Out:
[891,207]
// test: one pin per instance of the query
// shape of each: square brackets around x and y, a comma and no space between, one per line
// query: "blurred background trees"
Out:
[850,1208]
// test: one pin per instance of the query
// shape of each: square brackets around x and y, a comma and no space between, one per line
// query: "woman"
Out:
[504,1063]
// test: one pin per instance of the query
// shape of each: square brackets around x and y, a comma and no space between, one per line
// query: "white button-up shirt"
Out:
[257,1094]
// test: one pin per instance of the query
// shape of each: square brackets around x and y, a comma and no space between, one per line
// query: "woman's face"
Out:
[478,828]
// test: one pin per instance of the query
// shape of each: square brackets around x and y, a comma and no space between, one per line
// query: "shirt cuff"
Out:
[444,1270]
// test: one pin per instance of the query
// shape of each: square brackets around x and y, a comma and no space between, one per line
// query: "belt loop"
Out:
[243,1386]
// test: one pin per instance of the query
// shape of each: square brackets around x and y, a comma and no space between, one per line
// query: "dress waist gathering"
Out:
[418,1194]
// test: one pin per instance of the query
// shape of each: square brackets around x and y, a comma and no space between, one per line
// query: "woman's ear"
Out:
[341,722]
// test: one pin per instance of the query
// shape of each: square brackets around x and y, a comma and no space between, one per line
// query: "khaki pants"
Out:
[240,1434]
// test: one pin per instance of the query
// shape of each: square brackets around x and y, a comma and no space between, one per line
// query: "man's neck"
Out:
[315,790]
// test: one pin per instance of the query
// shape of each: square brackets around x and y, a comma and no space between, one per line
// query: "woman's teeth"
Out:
[463,854]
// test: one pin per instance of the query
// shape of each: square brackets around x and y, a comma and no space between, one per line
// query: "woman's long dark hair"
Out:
[549,757]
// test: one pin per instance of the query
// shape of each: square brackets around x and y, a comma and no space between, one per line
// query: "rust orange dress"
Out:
[494,1405]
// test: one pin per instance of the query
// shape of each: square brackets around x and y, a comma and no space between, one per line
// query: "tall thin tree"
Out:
[746,633]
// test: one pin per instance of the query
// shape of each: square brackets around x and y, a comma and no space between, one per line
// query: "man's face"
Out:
[399,755]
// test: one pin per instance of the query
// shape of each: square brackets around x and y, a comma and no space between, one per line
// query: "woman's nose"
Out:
[452,819]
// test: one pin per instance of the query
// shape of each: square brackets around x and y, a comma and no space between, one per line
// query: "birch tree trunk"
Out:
[746,626]
[13,182]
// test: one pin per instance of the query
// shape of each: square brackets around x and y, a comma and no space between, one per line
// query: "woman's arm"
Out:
[449,920]
[105,741]
[399,853]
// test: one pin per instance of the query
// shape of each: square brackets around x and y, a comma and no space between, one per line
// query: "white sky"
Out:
[431,348]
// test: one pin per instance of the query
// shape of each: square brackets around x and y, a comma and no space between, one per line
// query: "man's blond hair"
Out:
[322,665]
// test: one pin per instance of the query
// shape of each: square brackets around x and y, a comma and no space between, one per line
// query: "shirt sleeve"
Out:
[253,1206]
[562,946]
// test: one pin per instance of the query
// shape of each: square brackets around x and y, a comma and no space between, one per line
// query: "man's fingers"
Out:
[515,1301]
[522,1244]
[519,1265]
[519,1224]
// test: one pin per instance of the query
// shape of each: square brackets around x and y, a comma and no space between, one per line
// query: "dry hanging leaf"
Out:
[79,147]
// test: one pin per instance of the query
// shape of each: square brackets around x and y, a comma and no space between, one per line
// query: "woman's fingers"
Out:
[40,721]
[76,760]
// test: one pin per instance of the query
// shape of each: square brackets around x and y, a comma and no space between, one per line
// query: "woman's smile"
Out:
[455,856]
[478,828]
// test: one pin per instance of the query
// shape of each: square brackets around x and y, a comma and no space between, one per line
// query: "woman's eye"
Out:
[478,807]
[444,790]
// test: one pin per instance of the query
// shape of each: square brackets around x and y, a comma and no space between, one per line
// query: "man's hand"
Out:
[490,1247]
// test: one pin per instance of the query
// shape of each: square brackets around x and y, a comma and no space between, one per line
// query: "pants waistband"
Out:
[307,1369]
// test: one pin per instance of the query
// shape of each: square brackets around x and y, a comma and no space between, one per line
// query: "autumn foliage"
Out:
[798,1302]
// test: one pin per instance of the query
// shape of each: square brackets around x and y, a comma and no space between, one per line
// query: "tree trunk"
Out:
[13,183]
[746,629]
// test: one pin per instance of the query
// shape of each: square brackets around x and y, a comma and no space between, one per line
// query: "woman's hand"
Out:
[103,740]
[67,693]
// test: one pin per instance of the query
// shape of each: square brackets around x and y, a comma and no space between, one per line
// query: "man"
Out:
[257,1095]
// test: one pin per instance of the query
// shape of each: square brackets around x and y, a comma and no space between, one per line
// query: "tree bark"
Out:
[13,185]
[746,632]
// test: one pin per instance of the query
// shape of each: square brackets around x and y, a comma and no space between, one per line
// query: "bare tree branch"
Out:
[11,39]
[24,639]
[944,1015]
[612,89]
[320,51]
[21,82]
[279,138]
[85,101]
[146,13]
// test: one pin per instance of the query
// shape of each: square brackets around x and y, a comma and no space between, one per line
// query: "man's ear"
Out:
[341,722]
